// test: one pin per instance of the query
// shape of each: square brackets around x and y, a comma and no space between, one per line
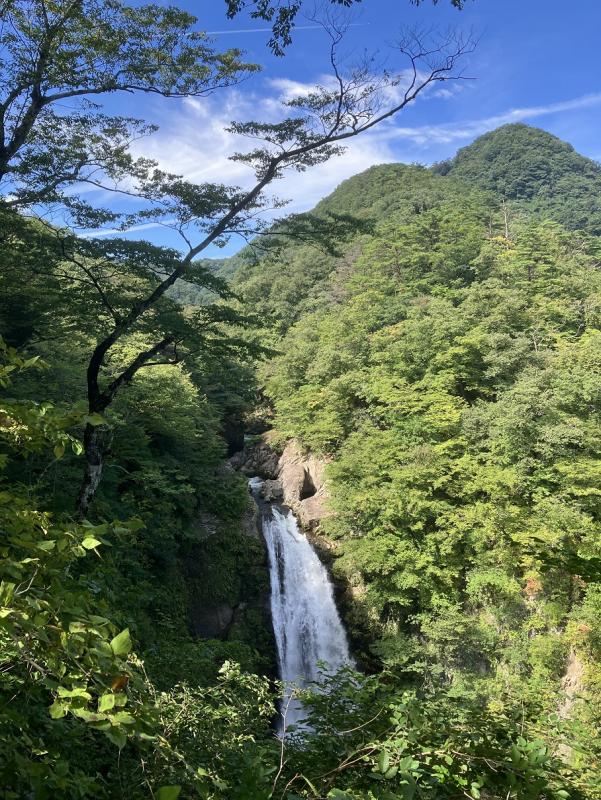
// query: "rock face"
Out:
[294,478]
[303,485]
[250,522]
[257,460]
[272,490]
[231,604]
[212,622]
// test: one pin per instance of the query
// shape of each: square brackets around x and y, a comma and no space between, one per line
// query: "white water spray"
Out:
[306,623]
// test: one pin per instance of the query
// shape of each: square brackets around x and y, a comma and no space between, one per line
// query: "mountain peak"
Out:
[535,168]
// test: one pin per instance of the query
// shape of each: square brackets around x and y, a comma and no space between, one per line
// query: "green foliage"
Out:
[536,172]
[60,655]
[372,741]
[54,55]
[451,374]
[283,17]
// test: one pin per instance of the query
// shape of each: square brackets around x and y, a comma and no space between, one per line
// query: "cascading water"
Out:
[308,630]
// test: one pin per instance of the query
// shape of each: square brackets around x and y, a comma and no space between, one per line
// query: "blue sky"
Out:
[536,62]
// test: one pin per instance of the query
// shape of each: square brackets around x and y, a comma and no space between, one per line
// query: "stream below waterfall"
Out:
[310,638]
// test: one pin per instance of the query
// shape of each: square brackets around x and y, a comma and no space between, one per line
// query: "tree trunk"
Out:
[93,470]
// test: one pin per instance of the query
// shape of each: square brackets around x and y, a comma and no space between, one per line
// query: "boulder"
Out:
[312,510]
[272,490]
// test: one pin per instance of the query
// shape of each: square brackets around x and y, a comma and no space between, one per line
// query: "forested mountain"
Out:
[536,171]
[443,355]
[302,276]
[448,364]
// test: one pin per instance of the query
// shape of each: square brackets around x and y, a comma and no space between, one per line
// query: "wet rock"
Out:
[250,524]
[272,490]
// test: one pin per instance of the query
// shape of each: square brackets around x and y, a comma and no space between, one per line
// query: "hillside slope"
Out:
[450,371]
[304,277]
[535,170]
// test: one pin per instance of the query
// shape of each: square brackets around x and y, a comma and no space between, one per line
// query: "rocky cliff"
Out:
[294,478]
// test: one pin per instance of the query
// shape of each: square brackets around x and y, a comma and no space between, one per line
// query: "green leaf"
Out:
[124,718]
[90,543]
[383,761]
[168,793]
[7,591]
[116,737]
[121,644]
[94,419]
[62,692]
[59,451]
[106,702]
[58,709]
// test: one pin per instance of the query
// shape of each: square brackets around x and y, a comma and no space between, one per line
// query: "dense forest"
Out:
[432,335]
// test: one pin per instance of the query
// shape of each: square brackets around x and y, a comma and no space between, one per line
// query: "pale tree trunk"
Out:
[93,469]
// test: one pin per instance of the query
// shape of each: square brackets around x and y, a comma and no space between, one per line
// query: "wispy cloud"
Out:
[147,226]
[195,141]
[469,129]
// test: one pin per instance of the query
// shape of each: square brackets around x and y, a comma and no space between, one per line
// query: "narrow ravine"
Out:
[310,637]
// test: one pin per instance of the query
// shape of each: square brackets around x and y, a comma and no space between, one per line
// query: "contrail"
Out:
[268,30]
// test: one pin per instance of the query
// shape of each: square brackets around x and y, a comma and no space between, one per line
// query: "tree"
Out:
[90,48]
[54,53]
[283,17]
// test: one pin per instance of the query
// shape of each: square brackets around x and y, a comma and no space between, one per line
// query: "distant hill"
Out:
[303,277]
[536,170]
[539,175]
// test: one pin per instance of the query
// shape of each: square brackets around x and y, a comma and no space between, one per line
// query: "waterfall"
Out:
[307,626]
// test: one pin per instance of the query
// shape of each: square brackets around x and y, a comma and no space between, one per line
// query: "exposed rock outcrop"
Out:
[572,686]
[257,459]
[272,490]
[303,485]
[250,522]
[294,478]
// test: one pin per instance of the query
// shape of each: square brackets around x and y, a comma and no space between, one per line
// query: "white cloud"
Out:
[147,226]
[194,141]
[469,129]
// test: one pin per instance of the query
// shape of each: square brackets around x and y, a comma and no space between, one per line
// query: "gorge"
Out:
[439,367]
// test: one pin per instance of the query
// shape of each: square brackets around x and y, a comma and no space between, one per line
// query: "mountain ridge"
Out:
[534,172]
